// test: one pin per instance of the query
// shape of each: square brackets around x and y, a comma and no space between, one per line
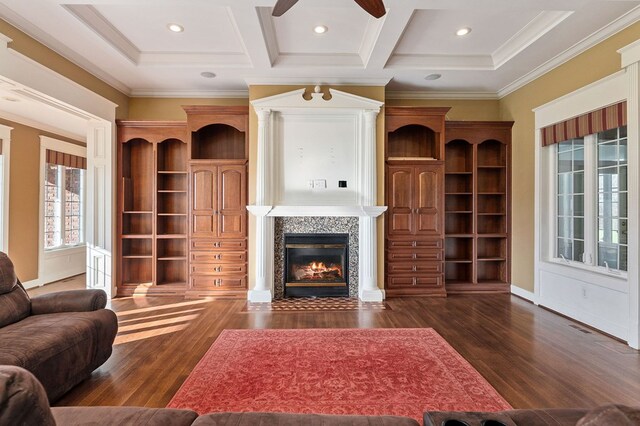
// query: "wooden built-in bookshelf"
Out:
[414,225]
[182,203]
[477,206]
[153,207]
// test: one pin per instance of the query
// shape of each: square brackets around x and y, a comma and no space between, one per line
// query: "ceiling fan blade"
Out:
[374,7]
[282,6]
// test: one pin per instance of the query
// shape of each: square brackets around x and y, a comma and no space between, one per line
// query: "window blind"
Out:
[68,160]
[607,118]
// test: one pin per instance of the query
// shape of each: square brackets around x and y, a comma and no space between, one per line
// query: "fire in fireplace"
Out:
[316,265]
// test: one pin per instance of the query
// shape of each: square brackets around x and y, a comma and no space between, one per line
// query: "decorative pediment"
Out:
[295,100]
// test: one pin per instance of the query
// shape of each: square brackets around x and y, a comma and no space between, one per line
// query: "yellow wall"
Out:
[592,65]
[40,53]
[170,109]
[461,110]
[24,193]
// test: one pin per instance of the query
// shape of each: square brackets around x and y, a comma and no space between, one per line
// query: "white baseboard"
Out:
[525,294]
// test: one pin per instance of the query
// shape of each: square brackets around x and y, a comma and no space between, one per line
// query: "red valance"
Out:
[69,160]
[603,119]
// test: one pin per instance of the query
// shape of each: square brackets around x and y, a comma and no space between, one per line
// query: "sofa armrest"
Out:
[69,301]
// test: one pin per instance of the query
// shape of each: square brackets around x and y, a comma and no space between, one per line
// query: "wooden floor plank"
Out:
[532,356]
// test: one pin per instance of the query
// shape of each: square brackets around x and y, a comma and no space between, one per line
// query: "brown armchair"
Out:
[59,337]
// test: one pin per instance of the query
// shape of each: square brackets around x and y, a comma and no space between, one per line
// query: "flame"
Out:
[318,266]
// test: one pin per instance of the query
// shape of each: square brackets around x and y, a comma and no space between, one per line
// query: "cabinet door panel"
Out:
[204,201]
[400,196]
[204,184]
[232,198]
[203,225]
[429,198]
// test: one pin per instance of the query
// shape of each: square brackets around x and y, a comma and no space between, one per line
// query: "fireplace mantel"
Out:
[331,211]
[301,141]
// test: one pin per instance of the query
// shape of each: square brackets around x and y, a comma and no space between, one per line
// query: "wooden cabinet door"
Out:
[204,201]
[429,200]
[400,189]
[232,195]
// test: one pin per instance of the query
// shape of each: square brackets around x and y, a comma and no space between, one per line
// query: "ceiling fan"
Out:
[374,7]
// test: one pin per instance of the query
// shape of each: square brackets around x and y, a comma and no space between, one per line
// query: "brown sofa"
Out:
[607,415]
[23,401]
[59,337]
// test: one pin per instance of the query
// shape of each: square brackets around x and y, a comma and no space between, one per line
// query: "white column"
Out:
[100,205]
[633,176]
[367,259]
[630,56]
[263,287]
[368,238]
[369,146]
[263,168]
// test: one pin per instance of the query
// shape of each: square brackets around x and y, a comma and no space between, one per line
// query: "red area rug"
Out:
[335,371]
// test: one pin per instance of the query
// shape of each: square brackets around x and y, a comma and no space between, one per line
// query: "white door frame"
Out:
[31,80]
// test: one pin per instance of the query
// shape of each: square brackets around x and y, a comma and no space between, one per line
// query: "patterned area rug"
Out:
[297,304]
[335,371]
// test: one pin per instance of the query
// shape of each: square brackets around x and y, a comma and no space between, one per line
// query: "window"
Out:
[63,201]
[612,198]
[570,199]
[591,199]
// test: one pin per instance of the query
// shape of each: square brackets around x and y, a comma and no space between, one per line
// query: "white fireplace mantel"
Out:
[310,211]
[299,139]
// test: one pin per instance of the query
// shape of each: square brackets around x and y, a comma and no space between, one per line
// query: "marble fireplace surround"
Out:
[315,225]
[346,125]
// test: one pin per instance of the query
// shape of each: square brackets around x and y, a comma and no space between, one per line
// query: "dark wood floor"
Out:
[533,357]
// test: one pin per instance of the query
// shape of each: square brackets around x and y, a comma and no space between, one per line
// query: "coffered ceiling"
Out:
[127,42]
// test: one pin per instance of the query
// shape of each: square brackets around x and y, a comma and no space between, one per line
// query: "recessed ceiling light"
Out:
[433,76]
[463,31]
[207,74]
[320,29]
[175,28]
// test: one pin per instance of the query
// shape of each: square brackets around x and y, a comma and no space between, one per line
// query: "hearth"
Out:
[316,265]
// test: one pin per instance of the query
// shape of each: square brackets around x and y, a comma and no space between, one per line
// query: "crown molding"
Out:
[46,40]
[441,95]
[536,28]
[618,25]
[217,94]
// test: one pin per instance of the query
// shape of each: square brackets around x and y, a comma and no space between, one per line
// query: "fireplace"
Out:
[316,265]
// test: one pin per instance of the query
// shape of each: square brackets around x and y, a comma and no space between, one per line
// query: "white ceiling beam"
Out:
[387,37]
[250,29]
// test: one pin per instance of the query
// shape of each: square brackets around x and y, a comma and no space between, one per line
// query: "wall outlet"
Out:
[320,183]
[310,184]
[342,184]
